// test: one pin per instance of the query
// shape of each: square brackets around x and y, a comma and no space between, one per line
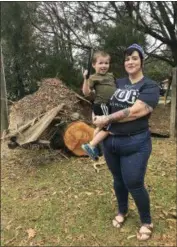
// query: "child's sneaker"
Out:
[91,151]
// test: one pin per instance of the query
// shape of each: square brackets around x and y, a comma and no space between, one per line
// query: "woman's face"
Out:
[133,63]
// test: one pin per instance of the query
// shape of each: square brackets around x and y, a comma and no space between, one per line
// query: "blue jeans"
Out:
[127,158]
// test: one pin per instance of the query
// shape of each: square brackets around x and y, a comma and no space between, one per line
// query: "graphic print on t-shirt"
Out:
[125,96]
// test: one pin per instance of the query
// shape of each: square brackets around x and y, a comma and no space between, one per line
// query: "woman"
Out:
[128,147]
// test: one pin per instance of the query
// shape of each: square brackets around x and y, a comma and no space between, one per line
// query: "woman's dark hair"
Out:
[129,52]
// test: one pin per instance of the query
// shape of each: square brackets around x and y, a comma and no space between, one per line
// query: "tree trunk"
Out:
[21,88]
[173,116]
[174,53]
[76,134]
[167,91]
[4,108]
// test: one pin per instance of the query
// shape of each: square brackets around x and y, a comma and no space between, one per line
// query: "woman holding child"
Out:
[127,145]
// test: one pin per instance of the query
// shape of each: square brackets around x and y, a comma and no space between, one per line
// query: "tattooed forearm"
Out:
[115,117]
[138,110]
[145,107]
[126,112]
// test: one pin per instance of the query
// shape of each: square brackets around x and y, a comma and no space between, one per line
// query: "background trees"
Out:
[159,20]
[18,41]
[53,39]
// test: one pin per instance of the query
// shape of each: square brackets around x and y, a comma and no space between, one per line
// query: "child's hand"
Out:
[85,74]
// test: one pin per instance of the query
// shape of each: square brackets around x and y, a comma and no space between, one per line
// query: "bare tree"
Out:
[73,23]
[159,20]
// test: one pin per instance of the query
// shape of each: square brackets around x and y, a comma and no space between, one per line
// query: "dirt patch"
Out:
[160,119]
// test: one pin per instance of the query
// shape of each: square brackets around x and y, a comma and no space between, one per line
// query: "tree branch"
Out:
[174,4]
[116,9]
[159,21]
[161,58]
[142,26]
[166,20]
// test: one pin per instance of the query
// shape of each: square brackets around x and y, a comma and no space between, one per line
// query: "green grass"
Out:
[68,204]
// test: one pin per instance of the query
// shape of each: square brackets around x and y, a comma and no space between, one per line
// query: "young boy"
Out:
[102,84]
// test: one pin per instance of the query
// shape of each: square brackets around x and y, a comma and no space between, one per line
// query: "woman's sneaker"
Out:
[92,152]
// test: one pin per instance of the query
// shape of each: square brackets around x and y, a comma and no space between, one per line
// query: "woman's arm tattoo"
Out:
[126,112]
[115,117]
[147,108]
[143,110]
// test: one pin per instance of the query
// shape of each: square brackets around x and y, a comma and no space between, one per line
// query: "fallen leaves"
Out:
[131,236]
[88,193]
[160,112]
[31,233]
[170,214]
[83,181]
[173,215]
[51,93]
[100,165]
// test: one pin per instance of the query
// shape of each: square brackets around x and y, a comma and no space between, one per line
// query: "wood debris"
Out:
[46,114]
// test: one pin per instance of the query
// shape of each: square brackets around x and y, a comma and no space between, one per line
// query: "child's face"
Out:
[102,65]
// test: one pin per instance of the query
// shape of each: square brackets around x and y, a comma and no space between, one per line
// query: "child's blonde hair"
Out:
[100,54]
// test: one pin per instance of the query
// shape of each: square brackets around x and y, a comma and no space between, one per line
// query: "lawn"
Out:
[50,200]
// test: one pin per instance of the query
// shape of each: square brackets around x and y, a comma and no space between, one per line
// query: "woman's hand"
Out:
[100,121]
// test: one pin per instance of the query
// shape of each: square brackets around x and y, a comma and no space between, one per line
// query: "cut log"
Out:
[76,134]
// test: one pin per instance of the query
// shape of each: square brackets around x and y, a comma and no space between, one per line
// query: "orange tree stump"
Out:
[76,134]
